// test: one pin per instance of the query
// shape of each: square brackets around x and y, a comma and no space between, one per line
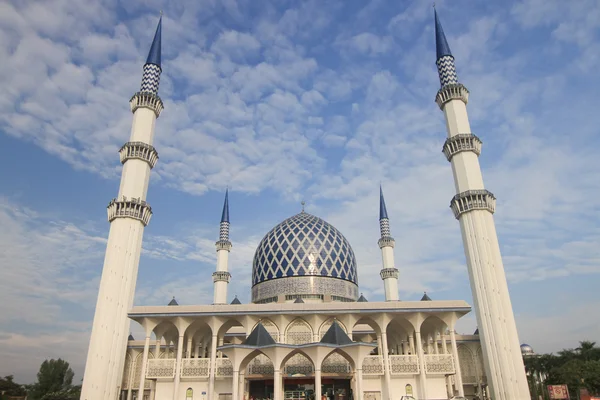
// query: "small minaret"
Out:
[128,214]
[473,207]
[386,243]
[221,276]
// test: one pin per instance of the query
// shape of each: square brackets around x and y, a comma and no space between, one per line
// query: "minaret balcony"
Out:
[221,276]
[146,100]
[473,200]
[223,245]
[453,91]
[389,273]
[386,241]
[129,208]
[140,151]
[461,142]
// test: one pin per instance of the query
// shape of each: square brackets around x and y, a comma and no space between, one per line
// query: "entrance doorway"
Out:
[261,389]
[299,389]
[336,389]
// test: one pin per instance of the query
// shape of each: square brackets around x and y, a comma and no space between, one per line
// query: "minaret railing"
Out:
[221,276]
[146,100]
[140,151]
[473,200]
[461,142]
[389,273]
[129,208]
[453,91]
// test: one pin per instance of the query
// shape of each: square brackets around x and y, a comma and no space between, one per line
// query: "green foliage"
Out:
[578,368]
[54,378]
[10,388]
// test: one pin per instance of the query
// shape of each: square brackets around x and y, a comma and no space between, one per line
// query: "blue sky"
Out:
[285,101]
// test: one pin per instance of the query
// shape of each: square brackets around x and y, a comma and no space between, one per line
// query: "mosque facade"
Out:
[308,332]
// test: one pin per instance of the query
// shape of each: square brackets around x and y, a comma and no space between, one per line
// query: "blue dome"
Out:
[303,245]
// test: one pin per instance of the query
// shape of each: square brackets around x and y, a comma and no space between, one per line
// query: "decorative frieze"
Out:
[195,367]
[221,276]
[386,241]
[473,200]
[299,285]
[461,142]
[146,100]
[452,91]
[139,150]
[389,273]
[160,368]
[372,365]
[129,208]
[223,245]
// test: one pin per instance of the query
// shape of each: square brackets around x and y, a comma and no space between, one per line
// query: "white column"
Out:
[178,366]
[131,378]
[277,384]
[458,376]
[318,393]
[235,385]
[386,366]
[242,386]
[144,364]
[422,373]
[411,341]
[359,378]
[213,366]
[188,350]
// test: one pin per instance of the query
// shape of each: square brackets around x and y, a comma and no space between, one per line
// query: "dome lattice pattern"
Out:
[303,245]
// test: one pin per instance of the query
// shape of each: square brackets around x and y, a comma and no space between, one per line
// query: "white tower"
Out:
[221,276]
[128,214]
[473,206]
[389,273]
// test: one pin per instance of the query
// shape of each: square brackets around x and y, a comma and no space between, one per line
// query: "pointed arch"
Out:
[139,359]
[257,363]
[327,324]
[126,371]
[270,327]
[466,360]
[337,362]
[299,331]
[297,362]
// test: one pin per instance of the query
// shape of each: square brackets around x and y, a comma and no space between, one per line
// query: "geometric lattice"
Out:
[303,245]
[150,79]
[446,70]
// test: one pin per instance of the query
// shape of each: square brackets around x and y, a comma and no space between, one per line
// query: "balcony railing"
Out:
[404,365]
[161,368]
[372,365]
[195,368]
[224,368]
[439,364]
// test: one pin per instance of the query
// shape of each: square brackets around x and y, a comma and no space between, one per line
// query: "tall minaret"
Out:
[221,276]
[128,214]
[386,243]
[474,206]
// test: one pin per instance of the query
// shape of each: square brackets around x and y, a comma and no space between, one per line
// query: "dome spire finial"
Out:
[155,50]
[303,203]
[441,44]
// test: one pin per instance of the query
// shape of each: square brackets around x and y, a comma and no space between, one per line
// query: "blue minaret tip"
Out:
[225,215]
[154,54]
[382,210]
[441,44]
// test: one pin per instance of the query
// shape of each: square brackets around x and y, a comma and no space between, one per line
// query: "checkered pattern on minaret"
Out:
[446,70]
[151,79]
[224,231]
[384,227]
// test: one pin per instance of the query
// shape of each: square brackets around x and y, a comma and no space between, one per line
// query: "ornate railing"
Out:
[195,367]
[336,364]
[224,368]
[129,208]
[161,368]
[439,364]
[261,365]
[139,150]
[473,200]
[404,365]
[372,365]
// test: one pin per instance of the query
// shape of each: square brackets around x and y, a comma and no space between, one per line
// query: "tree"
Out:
[10,388]
[55,376]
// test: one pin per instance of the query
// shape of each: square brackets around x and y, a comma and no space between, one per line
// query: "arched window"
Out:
[189,394]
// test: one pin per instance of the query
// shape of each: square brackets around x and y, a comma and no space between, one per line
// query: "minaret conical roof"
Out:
[362,299]
[425,297]
[173,302]
[154,53]
[382,209]
[225,215]
[236,301]
[441,44]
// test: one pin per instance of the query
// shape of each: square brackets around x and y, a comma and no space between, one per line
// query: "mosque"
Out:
[308,333]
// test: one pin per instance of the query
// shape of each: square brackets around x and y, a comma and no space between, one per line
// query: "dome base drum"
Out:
[308,288]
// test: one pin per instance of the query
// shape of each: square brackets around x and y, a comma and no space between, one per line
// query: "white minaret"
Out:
[474,206]
[128,214]
[389,273]
[221,276]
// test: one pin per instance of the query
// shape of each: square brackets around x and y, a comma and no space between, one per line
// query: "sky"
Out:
[285,101]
